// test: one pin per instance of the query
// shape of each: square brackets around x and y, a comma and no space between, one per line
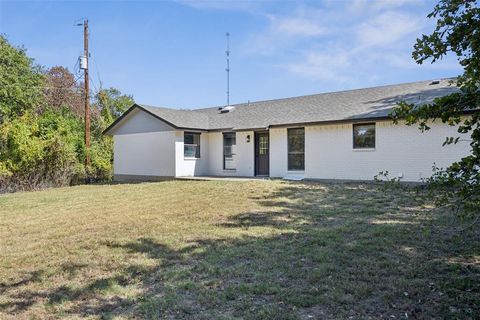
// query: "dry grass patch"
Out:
[225,250]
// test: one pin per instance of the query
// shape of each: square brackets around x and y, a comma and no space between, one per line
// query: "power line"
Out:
[43,87]
[69,87]
[76,69]
[95,65]
[93,83]
[93,57]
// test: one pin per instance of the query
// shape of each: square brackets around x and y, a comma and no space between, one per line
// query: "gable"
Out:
[139,121]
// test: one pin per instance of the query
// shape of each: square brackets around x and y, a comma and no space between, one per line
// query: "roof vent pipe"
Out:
[226,109]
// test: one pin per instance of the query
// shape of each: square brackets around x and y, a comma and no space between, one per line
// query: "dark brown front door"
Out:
[262,152]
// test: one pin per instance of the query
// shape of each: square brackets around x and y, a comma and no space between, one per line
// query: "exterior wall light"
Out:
[248,138]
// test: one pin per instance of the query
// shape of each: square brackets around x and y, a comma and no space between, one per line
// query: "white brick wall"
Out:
[147,154]
[188,167]
[400,149]
[278,152]
[329,154]
[138,121]
[244,155]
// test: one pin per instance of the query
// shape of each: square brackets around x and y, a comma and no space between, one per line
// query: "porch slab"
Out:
[222,178]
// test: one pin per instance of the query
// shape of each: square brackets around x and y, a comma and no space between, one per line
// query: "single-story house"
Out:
[340,135]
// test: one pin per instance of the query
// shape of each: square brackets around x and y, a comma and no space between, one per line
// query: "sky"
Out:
[172,53]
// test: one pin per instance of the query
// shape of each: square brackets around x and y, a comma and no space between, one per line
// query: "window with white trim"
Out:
[229,146]
[296,149]
[364,136]
[191,145]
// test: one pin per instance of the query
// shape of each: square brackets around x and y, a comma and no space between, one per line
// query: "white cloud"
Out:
[342,42]
[358,5]
[348,48]
[323,66]
[387,4]
[285,31]
[297,26]
[388,28]
[404,61]
[248,6]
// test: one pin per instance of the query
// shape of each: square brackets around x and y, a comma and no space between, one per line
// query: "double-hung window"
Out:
[229,146]
[364,136]
[191,145]
[296,149]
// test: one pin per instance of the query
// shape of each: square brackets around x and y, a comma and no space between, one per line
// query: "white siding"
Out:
[244,155]
[145,154]
[402,150]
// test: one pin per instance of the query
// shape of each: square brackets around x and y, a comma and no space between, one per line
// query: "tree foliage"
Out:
[40,151]
[21,82]
[63,91]
[108,104]
[111,104]
[457,31]
[42,131]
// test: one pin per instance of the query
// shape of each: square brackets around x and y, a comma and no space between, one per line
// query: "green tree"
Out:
[40,150]
[108,105]
[42,128]
[111,103]
[21,82]
[457,31]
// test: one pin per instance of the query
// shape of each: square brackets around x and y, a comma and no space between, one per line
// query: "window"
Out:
[364,136]
[191,145]
[229,143]
[296,149]
[263,145]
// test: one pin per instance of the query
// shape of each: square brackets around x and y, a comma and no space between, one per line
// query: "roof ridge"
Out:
[200,110]
[166,108]
[333,92]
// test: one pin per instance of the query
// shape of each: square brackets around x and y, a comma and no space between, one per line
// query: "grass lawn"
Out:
[234,250]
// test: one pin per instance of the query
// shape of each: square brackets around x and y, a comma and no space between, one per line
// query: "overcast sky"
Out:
[173,53]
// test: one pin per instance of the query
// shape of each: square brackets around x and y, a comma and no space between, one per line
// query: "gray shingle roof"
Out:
[180,118]
[351,105]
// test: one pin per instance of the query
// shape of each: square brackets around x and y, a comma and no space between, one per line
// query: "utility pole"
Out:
[83,62]
[87,99]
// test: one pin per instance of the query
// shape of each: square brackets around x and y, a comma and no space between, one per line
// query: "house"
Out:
[339,135]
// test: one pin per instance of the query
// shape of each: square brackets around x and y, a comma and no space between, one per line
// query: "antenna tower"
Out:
[228,68]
